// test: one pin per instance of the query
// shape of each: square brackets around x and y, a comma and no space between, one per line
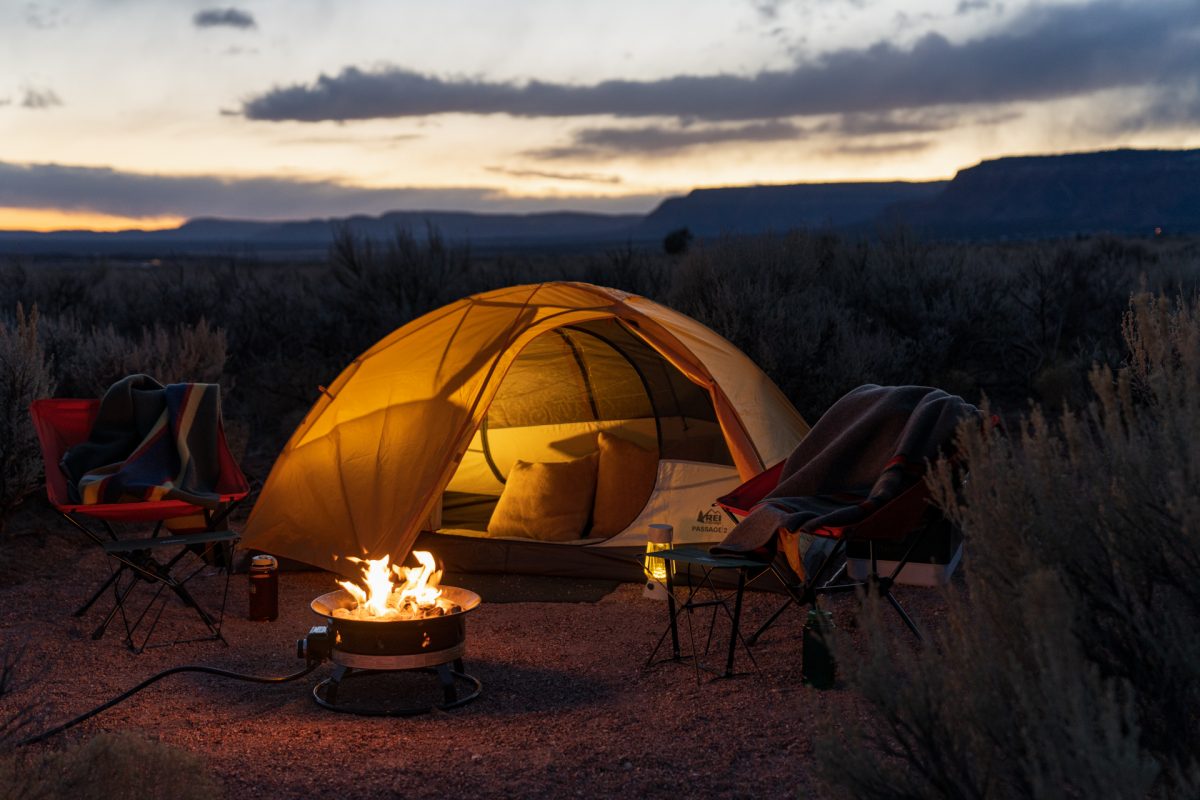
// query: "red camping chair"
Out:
[60,425]
[907,518]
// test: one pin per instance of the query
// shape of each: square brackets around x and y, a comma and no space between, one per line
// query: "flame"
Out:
[382,597]
[420,583]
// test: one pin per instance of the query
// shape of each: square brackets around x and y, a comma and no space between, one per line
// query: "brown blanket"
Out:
[868,447]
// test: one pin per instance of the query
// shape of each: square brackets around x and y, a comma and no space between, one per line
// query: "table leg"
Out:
[672,613]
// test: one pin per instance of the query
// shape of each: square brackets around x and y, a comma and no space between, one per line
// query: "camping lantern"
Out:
[658,539]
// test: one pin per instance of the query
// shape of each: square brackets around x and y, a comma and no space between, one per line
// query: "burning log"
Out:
[415,596]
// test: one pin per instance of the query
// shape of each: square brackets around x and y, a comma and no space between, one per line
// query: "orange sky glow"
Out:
[43,220]
[605,106]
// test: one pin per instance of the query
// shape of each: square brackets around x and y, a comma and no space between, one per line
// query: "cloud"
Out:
[138,195]
[1046,52]
[664,139]
[660,139]
[224,18]
[769,10]
[881,149]
[39,98]
[969,6]
[42,17]
[584,177]
[923,121]
[1173,107]
[372,142]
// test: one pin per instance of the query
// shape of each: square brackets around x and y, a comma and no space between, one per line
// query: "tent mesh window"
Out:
[565,387]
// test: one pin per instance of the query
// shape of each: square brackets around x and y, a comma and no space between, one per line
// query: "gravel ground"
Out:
[568,707]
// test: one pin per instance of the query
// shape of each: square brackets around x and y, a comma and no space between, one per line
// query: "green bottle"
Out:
[819,668]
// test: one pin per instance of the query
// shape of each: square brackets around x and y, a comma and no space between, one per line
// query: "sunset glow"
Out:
[42,220]
[141,113]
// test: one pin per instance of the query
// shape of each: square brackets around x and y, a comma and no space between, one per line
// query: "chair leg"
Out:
[137,649]
[83,609]
[177,586]
[118,604]
[912,626]
[883,585]
[753,638]
[806,592]
[186,596]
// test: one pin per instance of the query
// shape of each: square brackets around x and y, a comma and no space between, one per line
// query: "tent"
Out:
[429,433]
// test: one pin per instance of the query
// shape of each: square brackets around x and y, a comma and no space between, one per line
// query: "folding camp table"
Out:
[63,423]
[704,592]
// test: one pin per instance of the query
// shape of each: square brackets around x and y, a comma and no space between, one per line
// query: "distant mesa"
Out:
[1132,192]
[759,209]
[1118,191]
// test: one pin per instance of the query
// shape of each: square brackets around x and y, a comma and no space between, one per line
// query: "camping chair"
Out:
[60,425]
[907,519]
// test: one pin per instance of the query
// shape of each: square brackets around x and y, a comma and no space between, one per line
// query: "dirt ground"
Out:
[568,707]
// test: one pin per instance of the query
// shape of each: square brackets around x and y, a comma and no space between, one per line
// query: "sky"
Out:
[144,113]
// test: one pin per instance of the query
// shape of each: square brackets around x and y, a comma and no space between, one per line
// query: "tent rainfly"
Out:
[535,429]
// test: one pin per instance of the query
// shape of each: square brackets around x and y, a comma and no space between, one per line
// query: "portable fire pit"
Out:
[388,630]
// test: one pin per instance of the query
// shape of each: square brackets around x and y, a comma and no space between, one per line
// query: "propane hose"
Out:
[223,673]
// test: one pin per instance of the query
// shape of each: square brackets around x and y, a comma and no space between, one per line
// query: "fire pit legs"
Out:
[446,678]
[433,645]
[334,681]
[326,692]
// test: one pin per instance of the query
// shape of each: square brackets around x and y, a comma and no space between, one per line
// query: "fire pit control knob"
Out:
[316,647]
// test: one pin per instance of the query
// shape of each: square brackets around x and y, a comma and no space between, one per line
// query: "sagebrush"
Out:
[1070,665]
[109,766]
[25,375]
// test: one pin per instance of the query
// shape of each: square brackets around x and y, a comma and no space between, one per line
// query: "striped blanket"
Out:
[868,447]
[150,442]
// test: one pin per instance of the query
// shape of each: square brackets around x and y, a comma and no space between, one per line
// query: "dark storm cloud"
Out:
[108,191]
[1046,52]
[40,98]
[224,18]
[662,139]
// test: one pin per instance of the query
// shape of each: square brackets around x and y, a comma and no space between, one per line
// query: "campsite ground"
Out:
[567,708]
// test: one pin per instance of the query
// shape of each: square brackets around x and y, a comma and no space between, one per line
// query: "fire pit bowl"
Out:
[365,646]
[396,643]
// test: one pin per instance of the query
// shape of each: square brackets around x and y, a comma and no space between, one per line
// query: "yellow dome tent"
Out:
[432,432]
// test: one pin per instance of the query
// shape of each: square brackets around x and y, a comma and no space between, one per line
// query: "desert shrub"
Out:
[676,242]
[385,285]
[821,312]
[25,375]
[626,268]
[109,766]
[1069,666]
[14,722]
[89,361]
